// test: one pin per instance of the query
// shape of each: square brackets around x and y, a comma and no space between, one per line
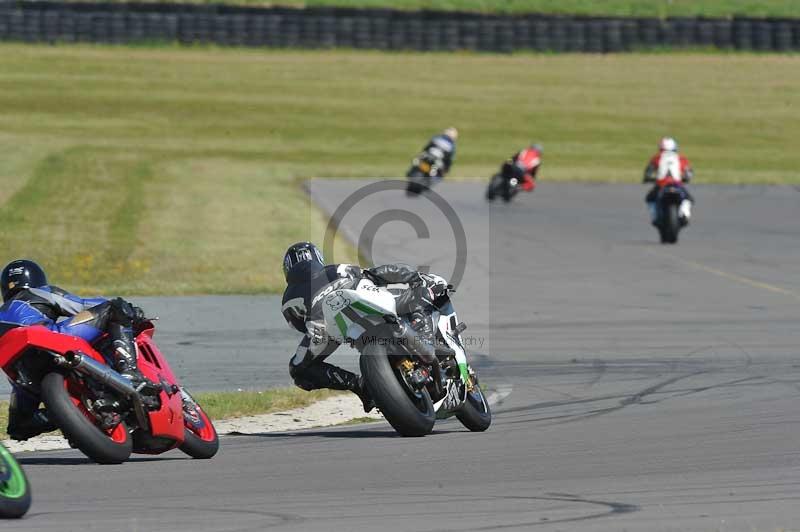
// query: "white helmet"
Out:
[451,132]
[668,144]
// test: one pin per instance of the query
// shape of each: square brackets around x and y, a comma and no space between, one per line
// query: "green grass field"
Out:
[172,171]
[640,8]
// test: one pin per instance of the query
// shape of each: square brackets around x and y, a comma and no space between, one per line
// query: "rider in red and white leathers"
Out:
[668,166]
[526,164]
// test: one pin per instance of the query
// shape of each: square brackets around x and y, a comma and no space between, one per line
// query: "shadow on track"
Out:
[82,460]
[336,434]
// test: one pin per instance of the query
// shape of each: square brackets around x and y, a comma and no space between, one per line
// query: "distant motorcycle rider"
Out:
[442,147]
[28,299]
[524,165]
[309,279]
[666,166]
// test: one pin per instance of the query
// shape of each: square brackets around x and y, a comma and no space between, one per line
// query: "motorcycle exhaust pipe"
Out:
[105,375]
[101,373]
[413,344]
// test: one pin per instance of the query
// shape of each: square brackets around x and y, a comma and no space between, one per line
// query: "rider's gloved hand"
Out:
[439,290]
[367,273]
[125,312]
[138,314]
[433,281]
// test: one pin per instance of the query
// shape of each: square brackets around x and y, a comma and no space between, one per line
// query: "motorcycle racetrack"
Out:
[642,386]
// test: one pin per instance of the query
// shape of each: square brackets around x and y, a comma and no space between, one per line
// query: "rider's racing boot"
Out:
[341,379]
[25,420]
[363,394]
[685,211]
[125,353]
[22,430]
[323,375]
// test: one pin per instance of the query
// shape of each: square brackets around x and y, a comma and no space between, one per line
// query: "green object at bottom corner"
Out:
[15,486]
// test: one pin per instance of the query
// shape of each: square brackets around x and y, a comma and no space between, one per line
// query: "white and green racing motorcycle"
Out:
[411,382]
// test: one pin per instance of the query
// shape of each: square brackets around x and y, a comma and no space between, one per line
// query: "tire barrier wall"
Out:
[380,28]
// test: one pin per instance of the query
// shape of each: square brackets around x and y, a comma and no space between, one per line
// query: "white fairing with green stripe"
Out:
[367,302]
[348,313]
[451,338]
[445,320]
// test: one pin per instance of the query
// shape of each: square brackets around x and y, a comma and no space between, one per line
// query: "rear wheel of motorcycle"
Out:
[78,426]
[410,413]
[15,491]
[475,413]
[200,437]
[671,225]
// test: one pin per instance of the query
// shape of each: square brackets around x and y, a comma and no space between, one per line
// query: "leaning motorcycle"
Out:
[15,492]
[425,169]
[505,184]
[411,382]
[670,219]
[98,410]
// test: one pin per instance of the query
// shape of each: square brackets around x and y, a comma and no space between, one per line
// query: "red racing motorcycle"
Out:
[98,410]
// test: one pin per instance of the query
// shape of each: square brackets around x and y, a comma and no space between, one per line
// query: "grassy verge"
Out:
[177,171]
[229,405]
[649,8]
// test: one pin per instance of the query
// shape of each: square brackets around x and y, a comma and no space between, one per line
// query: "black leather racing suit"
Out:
[442,148]
[302,308]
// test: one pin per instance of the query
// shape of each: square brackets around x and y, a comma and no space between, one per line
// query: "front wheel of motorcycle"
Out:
[15,491]
[200,439]
[475,413]
[494,187]
[78,425]
[418,182]
[409,411]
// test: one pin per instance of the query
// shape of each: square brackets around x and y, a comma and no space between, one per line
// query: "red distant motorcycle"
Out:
[671,213]
[97,409]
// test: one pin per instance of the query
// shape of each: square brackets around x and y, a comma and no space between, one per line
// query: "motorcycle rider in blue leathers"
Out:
[29,300]
[443,148]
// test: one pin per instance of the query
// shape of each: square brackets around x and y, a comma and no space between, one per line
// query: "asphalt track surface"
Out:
[652,387]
